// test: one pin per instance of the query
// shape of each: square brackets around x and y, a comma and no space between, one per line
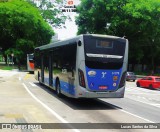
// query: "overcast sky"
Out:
[71,28]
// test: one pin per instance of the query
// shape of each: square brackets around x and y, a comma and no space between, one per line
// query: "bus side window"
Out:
[70,59]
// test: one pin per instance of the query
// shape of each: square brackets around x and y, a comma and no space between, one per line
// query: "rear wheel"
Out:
[133,80]
[39,78]
[150,86]
[138,84]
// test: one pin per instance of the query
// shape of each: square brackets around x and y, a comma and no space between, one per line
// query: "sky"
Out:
[71,28]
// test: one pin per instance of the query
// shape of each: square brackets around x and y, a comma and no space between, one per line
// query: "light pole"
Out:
[12,58]
[0,54]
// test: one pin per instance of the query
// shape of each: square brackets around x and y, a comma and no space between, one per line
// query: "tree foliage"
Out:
[137,20]
[22,28]
[146,15]
[50,11]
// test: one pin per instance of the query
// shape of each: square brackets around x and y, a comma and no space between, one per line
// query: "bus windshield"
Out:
[31,56]
[104,53]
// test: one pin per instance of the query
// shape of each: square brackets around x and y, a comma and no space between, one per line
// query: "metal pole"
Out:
[12,61]
[12,58]
[7,60]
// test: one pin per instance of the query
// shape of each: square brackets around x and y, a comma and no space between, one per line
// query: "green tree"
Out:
[94,15]
[137,20]
[145,13]
[50,11]
[22,28]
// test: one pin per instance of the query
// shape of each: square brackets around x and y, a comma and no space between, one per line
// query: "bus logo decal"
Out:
[114,84]
[104,74]
[92,73]
[92,84]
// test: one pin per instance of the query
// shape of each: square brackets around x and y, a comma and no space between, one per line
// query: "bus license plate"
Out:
[103,87]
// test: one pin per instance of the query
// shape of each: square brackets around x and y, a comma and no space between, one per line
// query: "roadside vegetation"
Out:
[24,26]
[10,67]
[136,20]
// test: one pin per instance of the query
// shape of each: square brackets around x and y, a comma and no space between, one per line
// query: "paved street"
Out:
[142,102]
[23,100]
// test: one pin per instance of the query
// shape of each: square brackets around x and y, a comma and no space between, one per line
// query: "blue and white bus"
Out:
[87,66]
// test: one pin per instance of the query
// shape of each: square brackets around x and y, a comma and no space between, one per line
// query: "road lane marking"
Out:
[32,84]
[145,93]
[46,107]
[13,115]
[27,76]
[19,78]
[137,116]
[137,88]
[133,114]
[156,104]
[143,102]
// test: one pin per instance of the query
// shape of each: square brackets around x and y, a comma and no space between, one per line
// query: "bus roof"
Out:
[73,41]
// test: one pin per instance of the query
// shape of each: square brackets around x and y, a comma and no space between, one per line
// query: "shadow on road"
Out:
[80,104]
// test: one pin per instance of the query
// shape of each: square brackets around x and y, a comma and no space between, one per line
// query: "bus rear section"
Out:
[30,63]
[102,65]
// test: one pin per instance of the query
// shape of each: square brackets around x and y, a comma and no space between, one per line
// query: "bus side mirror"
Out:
[79,43]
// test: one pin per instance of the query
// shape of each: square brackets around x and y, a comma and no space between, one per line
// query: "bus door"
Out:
[50,69]
[42,67]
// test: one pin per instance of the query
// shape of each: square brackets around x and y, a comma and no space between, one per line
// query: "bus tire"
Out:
[58,89]
[39,78]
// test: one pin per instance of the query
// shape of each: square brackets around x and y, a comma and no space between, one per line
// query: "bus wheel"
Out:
[58,89]
[39,77]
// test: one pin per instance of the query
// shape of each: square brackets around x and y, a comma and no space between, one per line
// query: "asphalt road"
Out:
[24,100]
[142,102]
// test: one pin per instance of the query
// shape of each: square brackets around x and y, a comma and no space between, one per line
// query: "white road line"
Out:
[32,84]
[156,104]
[144,93]
[143,102]
[134,115]
[137,116]
[48,108]
[19,78]
[142,90]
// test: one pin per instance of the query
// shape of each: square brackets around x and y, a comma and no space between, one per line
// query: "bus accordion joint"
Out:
[81,78]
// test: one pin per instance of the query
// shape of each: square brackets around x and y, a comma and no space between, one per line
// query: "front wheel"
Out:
[39,78]
[138,84]
[150,86]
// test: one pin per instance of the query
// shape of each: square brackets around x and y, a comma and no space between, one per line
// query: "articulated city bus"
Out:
[87,66]
[30,62]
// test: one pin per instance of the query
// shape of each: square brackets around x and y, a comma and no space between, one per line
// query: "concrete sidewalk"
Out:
[17,106]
